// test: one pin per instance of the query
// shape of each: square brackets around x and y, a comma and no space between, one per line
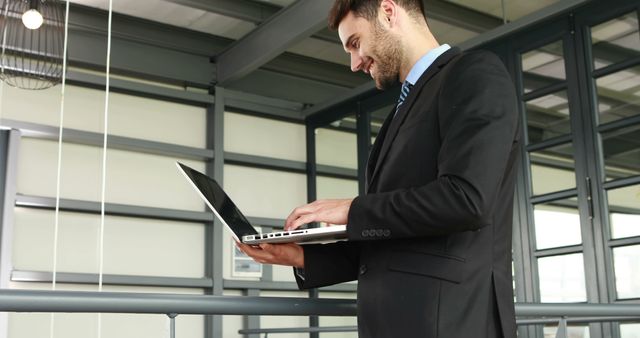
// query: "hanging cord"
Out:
[104,149]
[104,162]
[59,169]
[504,12]
[2,62]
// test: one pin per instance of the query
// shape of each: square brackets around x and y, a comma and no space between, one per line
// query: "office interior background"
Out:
[259,94]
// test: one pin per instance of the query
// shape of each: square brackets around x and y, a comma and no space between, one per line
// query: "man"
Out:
[430,242]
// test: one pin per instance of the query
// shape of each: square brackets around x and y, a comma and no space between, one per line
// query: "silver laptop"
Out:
[227,212]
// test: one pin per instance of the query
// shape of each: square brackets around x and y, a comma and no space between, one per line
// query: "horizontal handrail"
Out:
[323,329]
[123,302]
[577,320]
[576,310]
[536,321]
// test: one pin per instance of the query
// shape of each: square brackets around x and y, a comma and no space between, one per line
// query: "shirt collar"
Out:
[425,61]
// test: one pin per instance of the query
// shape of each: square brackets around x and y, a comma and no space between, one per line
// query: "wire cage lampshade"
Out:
[32,36]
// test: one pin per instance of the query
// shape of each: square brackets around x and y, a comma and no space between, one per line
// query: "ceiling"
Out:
[452,22]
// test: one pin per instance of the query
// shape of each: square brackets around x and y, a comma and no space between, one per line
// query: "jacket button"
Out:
[386,232]
[363,269]
[365,233]
[379,232]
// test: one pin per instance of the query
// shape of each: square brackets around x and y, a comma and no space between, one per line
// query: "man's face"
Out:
[372,48]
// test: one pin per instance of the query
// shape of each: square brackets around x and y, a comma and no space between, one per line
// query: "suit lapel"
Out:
[375,149]
[405,108]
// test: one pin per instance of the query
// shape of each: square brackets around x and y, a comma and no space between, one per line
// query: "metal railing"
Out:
[173,305]
[562,323]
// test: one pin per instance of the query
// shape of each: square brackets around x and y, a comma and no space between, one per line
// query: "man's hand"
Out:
[282,254]
[329,211]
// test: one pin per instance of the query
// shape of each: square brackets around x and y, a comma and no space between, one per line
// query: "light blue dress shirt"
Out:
[425,61]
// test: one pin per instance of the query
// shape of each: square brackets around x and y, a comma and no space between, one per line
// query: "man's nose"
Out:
[356,62]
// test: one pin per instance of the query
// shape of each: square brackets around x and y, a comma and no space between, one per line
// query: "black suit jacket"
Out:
[430,242]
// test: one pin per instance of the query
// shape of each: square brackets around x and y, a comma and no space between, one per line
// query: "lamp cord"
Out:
[59,164]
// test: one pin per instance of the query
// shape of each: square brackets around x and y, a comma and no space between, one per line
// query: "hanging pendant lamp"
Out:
[32,41]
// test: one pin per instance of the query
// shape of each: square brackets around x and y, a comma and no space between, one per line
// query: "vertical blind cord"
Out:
[59,168]
[104,161]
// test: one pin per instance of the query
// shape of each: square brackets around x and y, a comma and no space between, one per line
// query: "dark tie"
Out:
[404,92]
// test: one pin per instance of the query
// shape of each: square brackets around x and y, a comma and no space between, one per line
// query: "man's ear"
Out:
[389,12]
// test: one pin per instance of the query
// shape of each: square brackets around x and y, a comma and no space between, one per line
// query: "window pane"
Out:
[263,192]
[627,271]
[572,331]
[624,211]
[330,187]
[336,144]
[619,95]
[543,66]
[630,330]
[278,139]
[621,150]
[553,169]
[548,117]
[557,224]
[562,279]
[615,40]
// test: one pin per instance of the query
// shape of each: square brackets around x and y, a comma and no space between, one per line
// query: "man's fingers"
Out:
[258,255]
[300,212]
[308,218]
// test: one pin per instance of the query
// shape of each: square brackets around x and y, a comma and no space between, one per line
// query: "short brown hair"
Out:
[368,9]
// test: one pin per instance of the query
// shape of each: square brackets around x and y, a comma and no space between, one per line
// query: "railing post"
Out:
[562,328]
[172,327]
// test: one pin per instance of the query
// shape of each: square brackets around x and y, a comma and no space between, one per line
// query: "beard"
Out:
[387,55]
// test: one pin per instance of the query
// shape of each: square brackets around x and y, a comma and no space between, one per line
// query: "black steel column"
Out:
[311,196]
[213,232]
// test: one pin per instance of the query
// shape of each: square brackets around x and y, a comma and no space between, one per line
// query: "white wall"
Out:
[148,247]
[129,115]
[132,246]
[264,137]
[336,148]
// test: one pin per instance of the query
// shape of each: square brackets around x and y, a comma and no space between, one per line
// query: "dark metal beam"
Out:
[283,30]
[118,85]
[460,16]
[315,69]
[92,278]
[252,11]
[114,209]
[317,115]
[9,151]
[235,284]
[287,165]
[115,142]
[142,47]
[245,10]
[4,207]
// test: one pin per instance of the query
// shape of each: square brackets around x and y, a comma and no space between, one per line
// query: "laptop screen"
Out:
[219,200]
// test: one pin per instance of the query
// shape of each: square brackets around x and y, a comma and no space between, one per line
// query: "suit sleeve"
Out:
[478,123]
[328,264]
